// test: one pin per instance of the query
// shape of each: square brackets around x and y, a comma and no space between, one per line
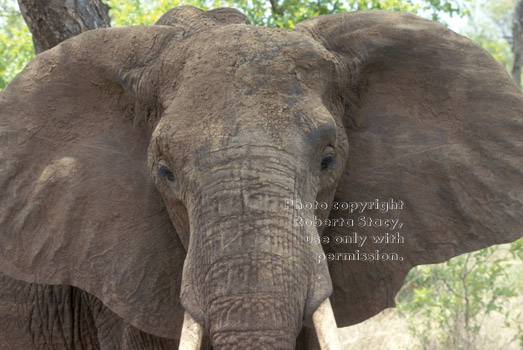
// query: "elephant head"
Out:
[164,169]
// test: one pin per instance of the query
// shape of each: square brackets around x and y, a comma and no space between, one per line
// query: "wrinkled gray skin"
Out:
[145,173]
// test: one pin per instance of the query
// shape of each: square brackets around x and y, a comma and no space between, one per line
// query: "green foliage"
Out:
[274,13]
[448,303]
[437,7]
[490,25]
[283,14]
[139,12]
[16,46]
[287,13]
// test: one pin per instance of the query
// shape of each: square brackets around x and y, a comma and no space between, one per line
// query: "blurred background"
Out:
[474,301]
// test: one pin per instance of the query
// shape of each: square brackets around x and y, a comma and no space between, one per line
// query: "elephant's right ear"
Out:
[77,204]
[434,121]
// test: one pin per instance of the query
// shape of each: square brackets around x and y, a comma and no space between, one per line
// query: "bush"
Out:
[447,304]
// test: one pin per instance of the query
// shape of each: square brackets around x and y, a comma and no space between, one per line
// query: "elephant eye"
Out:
[327,162]
[165,173]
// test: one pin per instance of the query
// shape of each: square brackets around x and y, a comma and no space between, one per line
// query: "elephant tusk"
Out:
[192,333]
[326,328]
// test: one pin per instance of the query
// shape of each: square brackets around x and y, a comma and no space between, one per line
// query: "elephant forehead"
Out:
[257,61]
[247,80]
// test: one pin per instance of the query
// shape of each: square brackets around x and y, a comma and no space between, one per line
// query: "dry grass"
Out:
[389,329]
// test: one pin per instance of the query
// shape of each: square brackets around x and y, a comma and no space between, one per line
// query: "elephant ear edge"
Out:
[78,206]
[193,19]
[432,120]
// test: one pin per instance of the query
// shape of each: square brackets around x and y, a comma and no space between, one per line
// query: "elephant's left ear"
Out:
[432,121]
[77,202]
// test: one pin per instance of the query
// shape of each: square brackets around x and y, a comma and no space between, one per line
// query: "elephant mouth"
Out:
[322,318]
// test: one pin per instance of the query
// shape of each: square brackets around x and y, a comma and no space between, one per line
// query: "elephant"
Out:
[201,182]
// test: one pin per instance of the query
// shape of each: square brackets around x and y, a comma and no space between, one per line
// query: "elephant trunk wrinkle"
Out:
[259,339]
[254,321]
[255,272]
[263,288]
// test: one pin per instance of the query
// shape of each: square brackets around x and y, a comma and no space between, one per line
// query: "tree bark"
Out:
[53,21]
[517,43]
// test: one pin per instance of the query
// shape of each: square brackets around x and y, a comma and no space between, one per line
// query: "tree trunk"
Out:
[53,21]
[517,43]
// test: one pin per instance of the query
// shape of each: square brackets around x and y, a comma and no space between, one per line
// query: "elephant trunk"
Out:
[252,323]
[257,308]
[250,278]
[255,299]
